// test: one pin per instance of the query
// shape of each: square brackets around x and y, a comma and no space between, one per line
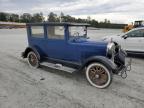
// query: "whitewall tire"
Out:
[98,75]
[33,60]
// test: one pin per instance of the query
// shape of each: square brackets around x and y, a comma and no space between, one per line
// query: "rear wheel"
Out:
[98,75]
[33,59]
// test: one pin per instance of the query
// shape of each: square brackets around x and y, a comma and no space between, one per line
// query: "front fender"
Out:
[101,59]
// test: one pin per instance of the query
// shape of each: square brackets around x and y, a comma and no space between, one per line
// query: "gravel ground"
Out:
[22,87]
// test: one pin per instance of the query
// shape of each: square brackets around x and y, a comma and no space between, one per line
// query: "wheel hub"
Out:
[98,75]
[32,59]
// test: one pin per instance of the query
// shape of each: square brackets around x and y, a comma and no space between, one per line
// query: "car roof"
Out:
[59,24]
[138,28]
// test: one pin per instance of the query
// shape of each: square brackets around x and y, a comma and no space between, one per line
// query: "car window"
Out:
[77,31]
[136,33]
[55,32]
[37,31]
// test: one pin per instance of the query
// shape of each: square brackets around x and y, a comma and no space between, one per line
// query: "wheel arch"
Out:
[28,49]
[100,59]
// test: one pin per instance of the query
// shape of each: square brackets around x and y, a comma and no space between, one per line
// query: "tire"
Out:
[33,60]
[98,75]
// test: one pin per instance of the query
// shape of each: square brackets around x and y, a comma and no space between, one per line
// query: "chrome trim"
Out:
[111,50]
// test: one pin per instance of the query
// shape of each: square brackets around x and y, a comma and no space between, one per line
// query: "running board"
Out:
[58,67]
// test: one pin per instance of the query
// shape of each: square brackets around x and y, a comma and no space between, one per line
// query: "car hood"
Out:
[111,37]
[90,42]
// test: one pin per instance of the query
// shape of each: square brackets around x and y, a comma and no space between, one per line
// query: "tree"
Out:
[69,18]
[109,21]
[52,17]
[3,16]
[88,18]
[38,17]
[14,18]
[106,21]
[61,16]
[94,23]
[26,17]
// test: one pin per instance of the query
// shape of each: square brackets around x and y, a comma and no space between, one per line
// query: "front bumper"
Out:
[122,66]
[125,69]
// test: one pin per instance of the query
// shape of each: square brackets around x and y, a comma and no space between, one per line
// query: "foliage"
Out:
[38,17]
[52,17]
[3,16]
[26,17]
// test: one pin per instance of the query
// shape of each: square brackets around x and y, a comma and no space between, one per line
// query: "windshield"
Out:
[78,31]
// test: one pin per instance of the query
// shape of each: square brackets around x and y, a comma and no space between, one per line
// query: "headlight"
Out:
[110,49]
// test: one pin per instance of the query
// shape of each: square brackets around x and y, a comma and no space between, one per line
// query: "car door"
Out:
[58,46]
[134,40]
[36,37]
[55,42]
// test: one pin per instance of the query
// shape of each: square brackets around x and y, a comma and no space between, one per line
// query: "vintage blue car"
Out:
[65,46]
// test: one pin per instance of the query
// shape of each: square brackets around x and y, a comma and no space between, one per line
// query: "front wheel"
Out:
[32,59]
[98,75]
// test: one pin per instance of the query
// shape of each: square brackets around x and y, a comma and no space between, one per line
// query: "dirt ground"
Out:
[22,87]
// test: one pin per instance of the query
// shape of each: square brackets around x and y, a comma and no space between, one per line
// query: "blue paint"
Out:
[75,50]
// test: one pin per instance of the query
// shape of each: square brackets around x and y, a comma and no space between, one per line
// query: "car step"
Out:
[59,67]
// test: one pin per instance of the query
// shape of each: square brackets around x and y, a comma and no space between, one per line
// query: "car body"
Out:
[65,46]
[131,41]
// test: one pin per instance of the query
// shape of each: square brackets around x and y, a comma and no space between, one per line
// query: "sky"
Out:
[117,11]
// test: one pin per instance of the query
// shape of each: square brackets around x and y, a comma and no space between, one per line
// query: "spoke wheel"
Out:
[98,75]
[33,60]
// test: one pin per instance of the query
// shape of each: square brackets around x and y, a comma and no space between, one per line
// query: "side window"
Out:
[55,32]
[136,33]
[37,31]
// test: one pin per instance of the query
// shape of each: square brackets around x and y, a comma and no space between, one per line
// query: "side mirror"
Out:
[125,36]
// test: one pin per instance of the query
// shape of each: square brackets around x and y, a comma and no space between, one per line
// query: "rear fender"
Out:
[28,49]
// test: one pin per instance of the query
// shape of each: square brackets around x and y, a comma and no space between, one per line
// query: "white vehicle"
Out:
[131,41]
